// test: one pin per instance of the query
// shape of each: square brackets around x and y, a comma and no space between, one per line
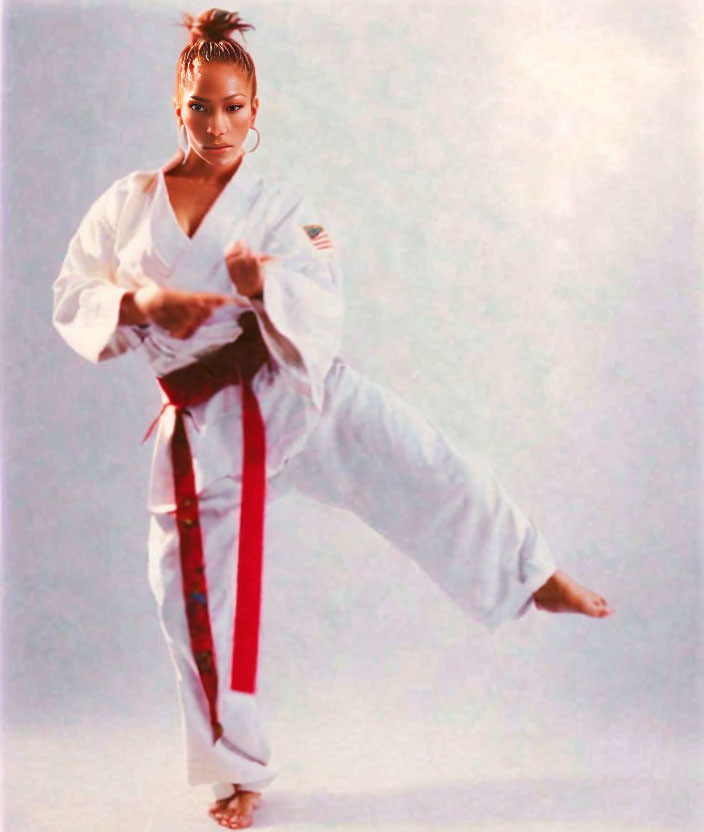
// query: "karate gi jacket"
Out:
[130,238]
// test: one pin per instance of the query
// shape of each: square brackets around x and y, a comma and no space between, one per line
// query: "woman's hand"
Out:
[245,268]
[179,313]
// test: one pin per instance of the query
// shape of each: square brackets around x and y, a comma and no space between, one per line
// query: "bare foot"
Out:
[237,810]
[562,594]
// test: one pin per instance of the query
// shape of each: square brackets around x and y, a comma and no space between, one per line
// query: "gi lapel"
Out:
[201,266]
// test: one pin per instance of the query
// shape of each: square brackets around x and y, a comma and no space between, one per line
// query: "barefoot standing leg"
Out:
[237,810]
[218,805]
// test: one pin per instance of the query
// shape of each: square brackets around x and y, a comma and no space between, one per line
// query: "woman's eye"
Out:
[194,104]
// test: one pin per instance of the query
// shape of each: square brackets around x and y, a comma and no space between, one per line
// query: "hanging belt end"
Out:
[151,427]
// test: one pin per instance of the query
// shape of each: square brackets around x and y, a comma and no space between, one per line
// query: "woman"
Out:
[229,285]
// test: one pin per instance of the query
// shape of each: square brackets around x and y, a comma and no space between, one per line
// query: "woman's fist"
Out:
[179,313]
[245,268]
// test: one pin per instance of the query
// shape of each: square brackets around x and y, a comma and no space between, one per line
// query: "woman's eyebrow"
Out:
[207,100]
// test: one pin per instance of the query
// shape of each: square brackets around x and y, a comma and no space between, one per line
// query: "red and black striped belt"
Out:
[234,363]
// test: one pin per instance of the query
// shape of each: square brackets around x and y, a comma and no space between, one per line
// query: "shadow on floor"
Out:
[612,801]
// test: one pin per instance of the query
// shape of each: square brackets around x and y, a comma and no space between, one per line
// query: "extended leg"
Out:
[381,458]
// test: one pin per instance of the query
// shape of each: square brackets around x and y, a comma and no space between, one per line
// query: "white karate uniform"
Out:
[331,433]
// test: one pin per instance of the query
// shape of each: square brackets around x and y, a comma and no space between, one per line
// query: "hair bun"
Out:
[215,25]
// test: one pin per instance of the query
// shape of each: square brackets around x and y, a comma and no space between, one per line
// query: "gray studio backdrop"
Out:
[513,190]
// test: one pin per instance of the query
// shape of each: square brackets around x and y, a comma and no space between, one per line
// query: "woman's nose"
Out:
[217,126]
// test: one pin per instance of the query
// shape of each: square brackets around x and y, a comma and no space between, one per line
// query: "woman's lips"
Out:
[219,147]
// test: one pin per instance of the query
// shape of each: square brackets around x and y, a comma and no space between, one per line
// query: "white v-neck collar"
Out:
[241,182]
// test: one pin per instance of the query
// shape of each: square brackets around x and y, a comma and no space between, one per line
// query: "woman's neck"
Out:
[195,168]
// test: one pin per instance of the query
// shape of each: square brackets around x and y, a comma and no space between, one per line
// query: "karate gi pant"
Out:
[379,457]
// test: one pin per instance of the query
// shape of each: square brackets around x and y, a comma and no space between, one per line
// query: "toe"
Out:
[229,822]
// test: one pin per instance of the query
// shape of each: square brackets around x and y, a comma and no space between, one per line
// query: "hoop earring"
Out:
[178,139]
[257,144]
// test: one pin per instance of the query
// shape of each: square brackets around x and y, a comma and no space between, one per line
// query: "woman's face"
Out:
[216,110]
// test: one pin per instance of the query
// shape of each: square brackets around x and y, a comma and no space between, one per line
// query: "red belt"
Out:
[234,363]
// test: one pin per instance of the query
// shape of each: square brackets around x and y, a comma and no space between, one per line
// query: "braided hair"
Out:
[210,41]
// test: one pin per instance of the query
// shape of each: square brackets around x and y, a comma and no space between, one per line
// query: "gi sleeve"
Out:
[302,310]
[86,294]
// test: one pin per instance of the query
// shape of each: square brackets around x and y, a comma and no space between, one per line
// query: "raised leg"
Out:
[378,456]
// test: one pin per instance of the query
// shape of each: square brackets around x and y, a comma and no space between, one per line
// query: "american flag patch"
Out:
[318,236]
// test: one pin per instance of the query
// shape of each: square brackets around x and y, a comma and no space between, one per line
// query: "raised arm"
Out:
[301,313]
[87,297]
[101,318]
